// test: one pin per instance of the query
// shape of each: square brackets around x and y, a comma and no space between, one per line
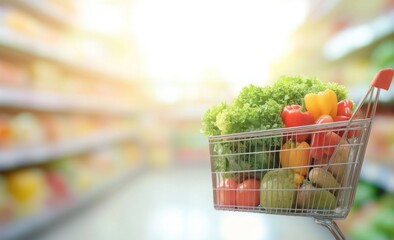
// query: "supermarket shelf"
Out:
[15,44]
[43,11]
[19,157]
[22,228]
[379,175]
[45,101]
[356,38]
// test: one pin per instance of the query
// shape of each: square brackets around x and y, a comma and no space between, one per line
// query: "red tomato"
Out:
[248,193]
[225,193]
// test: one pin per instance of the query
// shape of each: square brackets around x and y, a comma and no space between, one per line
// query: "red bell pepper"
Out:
[293,116]
[344,113]
[345,108]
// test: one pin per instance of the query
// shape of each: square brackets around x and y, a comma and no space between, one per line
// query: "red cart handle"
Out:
[383,78]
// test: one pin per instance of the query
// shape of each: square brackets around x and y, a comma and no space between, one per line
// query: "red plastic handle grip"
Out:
[383,78]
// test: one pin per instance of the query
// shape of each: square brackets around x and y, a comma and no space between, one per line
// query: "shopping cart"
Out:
[264,173]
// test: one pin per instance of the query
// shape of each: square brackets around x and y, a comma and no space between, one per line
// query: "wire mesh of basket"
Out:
[274,172]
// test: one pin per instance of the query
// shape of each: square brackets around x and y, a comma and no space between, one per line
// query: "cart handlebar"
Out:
[383,78]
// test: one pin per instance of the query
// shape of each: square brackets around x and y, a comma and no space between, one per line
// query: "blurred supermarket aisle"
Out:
[176,203]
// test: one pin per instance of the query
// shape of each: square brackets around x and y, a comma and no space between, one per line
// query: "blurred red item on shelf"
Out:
[12,75]
[5,131]
[59,190]
[48,124]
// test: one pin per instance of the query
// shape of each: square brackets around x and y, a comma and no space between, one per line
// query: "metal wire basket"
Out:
[264,172]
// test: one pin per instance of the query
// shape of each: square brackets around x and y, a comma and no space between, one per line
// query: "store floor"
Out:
[175,203]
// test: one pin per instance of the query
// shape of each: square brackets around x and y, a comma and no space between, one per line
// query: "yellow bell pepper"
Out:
[322,103]
[295,155]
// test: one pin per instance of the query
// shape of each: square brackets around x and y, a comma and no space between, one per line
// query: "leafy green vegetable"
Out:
[247,118]
[209,126]
[230,158]
[253,96]
[292,89]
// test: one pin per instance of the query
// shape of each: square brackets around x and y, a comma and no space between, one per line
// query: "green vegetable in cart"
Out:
[209,120]
[246,118]
[323,179]
[278,189]
[310,197]
[234,160]
[338,166]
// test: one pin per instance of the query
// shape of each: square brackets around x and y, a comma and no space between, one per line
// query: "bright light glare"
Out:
[198,224]
[168,224]
[99,17]
[243,227]
[183,39]
[172,222]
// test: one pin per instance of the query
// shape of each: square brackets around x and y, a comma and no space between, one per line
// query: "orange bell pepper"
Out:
[295,154]
[322,103]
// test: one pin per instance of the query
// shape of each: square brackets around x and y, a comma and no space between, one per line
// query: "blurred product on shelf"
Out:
[46,81]
[380,148]
[34,190]
[27,189]
[59,191]
[6,204]
[68,46]
[12,74]
[5,131]
[27,26]
[26,129]
[45,77]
